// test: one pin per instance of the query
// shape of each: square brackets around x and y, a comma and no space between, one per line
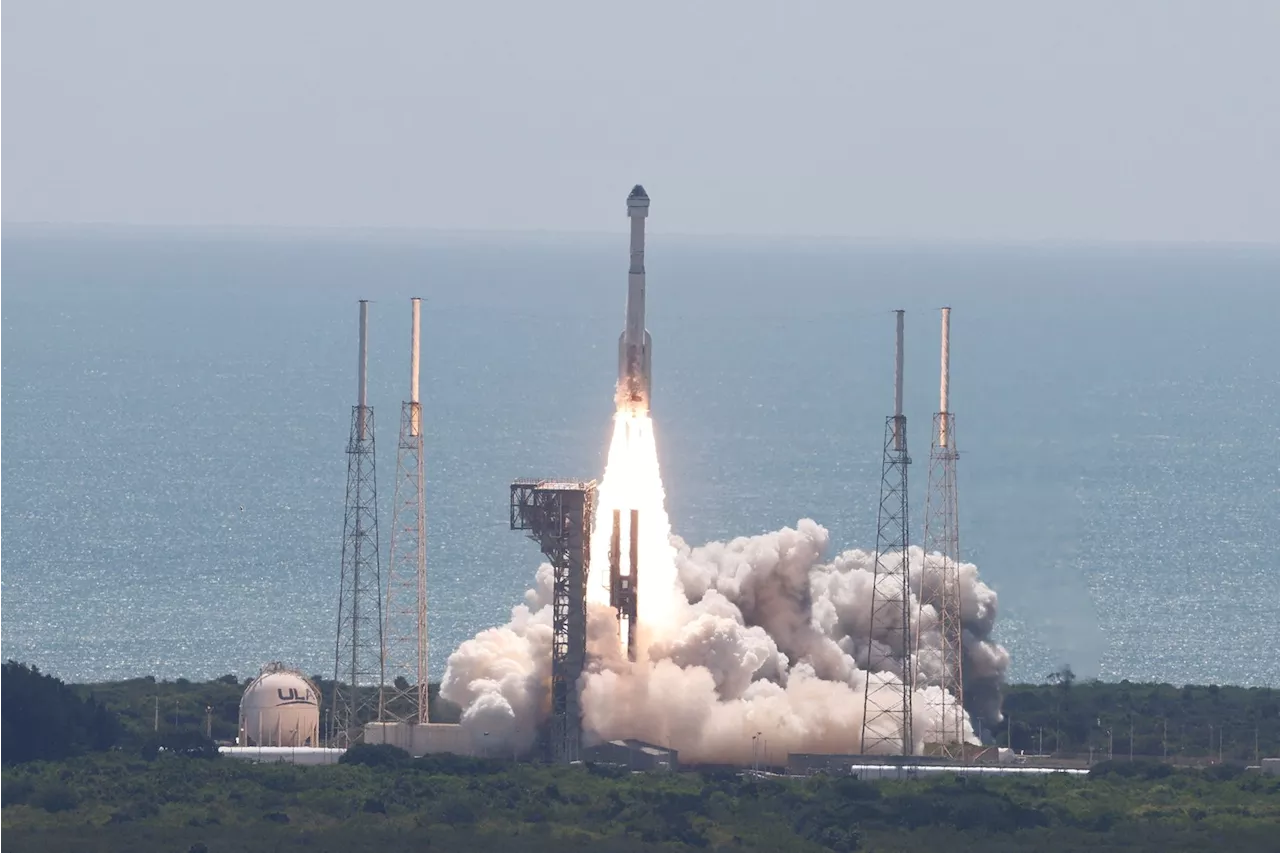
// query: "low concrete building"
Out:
[633,754]
[809,763]
[1271,766]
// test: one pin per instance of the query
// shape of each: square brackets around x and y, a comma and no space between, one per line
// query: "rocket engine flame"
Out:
[632,481]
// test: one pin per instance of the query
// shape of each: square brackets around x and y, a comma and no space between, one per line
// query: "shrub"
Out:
[42,718]
[188,744]
[449,764]
[375,755]
[55,797]
[16,791]
[458,813]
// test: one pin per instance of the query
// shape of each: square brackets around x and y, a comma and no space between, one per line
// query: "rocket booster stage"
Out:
[635,347]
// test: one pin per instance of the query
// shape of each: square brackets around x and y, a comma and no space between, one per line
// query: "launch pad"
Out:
[562,516]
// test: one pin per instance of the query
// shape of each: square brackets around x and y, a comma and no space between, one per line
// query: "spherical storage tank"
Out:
[281,707]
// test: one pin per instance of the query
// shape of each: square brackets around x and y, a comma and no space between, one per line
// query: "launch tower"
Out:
[358,656]
[886,710]
[557,515]
[404,697]
[942,664]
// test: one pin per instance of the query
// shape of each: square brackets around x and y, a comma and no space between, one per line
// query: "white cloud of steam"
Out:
[761,636]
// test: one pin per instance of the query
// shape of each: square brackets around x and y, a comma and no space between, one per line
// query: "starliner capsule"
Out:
[635,347]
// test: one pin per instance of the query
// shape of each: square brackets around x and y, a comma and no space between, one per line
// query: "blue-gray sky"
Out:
[938,120]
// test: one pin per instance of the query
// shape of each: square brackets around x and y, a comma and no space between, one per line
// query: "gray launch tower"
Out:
[358,673]
[404,698]
[557,515]
[942,664]
[886,710]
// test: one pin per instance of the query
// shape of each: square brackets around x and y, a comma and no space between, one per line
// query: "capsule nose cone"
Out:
[637,192]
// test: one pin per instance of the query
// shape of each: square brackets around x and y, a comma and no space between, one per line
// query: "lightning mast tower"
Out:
[886,709]
[404,697]
[358,655]
[943,664]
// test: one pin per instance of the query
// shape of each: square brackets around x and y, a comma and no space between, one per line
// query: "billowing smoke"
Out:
[762,637]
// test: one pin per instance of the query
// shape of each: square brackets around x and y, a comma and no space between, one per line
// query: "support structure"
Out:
[624,587]
[557,515]
[404,698]
[886,710]
[358,672]
[941,664]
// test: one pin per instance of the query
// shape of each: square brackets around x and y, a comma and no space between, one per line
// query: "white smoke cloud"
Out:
[762,637]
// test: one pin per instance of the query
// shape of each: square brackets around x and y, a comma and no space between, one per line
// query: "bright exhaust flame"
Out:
[633,481]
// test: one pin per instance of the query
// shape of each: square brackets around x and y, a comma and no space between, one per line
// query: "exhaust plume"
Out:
[762,636]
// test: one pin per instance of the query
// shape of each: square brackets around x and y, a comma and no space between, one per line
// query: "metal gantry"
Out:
[557,515]
[358,672]
[886,711]
[404,698]
[941,663]
[405,695]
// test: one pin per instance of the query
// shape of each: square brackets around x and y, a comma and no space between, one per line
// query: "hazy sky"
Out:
[991,121]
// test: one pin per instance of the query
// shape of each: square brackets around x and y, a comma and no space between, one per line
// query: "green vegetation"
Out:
[1178,722]
[84,771]
[379,800]
[45,719]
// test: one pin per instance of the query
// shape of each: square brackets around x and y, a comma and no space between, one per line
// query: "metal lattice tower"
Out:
[886,710]
[404,698]
[942,664]
[557,515]
[358,655]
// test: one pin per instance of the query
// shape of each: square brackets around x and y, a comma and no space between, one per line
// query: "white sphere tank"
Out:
[281,707]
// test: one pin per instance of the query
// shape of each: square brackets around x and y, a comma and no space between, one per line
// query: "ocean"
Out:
[176,407]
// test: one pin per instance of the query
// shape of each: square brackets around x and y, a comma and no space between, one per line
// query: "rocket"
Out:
[635,347]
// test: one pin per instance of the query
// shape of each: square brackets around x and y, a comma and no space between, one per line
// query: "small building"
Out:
[633,754]
[1271,766]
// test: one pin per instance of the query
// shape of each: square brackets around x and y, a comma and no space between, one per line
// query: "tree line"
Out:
[1062,716]
[1116,719]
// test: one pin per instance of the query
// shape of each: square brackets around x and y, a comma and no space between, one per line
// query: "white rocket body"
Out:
[635,346]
